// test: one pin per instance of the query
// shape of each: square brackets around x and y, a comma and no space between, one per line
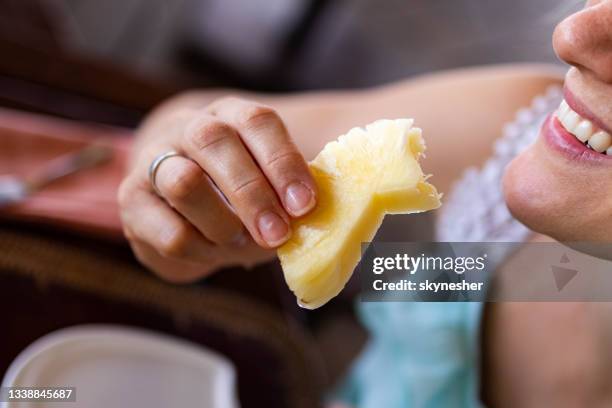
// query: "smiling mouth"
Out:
[584,130]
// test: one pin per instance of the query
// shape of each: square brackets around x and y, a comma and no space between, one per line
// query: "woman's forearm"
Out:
[460,111]
[255,155]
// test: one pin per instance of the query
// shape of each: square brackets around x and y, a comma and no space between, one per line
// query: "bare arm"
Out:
[252,147]
[461,112]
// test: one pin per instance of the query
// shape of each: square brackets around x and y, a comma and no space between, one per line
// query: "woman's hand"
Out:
[230,194]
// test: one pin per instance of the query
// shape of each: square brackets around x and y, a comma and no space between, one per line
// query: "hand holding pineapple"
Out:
[228,196]
[234,185]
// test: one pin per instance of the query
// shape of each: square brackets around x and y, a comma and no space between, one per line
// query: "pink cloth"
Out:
[84,201]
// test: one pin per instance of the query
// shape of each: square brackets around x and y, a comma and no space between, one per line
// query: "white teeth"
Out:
[563,109]
[600,141]
[570,120]
[584,130]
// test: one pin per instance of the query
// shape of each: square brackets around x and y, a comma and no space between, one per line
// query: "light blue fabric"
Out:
[420,355]
[426,355]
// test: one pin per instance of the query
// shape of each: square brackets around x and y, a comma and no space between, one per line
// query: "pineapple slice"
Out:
[362,176]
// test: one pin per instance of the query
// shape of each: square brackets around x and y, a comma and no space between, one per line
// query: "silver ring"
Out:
[155,166]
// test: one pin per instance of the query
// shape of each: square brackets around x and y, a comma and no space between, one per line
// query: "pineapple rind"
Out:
[361,176]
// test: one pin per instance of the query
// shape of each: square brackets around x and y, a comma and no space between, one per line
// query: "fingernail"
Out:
[299,199]
[273,229]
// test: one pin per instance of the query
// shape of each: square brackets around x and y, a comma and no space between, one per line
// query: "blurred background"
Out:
[127,54]
[104,64]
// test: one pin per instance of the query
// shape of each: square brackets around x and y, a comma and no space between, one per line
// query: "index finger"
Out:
[266,137]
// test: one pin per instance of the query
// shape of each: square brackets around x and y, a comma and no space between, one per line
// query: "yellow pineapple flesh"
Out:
[362,176]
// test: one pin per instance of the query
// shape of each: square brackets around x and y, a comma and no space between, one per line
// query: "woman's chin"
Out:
[551,196]
[525,192]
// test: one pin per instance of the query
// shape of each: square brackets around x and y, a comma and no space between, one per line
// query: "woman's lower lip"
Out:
[564,142]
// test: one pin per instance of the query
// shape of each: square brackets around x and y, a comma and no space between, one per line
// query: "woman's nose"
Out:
[585,39]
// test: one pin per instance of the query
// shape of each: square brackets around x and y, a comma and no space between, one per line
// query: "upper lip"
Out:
[581,109]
